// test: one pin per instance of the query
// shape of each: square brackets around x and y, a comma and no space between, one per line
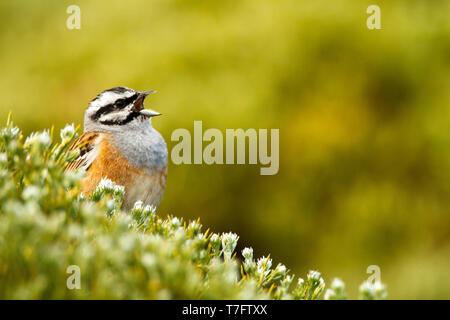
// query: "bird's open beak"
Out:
[149,113]
[146,93]
[139,104]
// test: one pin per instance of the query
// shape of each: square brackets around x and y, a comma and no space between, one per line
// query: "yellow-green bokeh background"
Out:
[364,118]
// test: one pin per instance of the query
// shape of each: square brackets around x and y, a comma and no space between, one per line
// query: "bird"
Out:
[120,144]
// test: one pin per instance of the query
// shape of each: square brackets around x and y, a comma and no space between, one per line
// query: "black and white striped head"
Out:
[119,106]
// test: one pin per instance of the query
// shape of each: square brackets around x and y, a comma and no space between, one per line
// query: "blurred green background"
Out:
[364,118]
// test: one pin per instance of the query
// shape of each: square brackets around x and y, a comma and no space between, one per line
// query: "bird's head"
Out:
[118,107]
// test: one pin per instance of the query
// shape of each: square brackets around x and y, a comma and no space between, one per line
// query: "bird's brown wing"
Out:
[87,144]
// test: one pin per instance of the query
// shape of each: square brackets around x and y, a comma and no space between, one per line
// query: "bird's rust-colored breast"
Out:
[139,183]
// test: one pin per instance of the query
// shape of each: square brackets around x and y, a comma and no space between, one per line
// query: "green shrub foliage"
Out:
[47,228]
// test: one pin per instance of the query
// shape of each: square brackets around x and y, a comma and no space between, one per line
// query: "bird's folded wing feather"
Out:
[87,144]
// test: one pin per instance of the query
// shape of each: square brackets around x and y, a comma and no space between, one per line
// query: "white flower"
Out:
[175,222]
[379,290]
[119,189]
[31,192]
[286,282]
[329,294]
[106,184]
[110,204]
[338,284]
[314,275]
[148,260]
[138,205]
[377,286]
[281,268]
[263,264]
[42,139]
[247,253]
[67,132]
[149,209]
[369,291]
[12,132]
[229,242]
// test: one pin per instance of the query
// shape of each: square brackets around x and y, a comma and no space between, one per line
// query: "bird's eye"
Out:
[120,103]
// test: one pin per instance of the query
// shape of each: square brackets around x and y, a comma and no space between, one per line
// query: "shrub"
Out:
[47,227]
